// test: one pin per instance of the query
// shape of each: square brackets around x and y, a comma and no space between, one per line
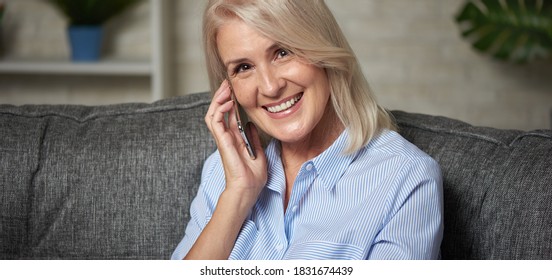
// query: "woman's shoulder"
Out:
[389,163]
[390,152]
[391,143]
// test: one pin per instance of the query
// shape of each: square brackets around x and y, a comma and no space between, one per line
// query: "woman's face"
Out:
[281,93]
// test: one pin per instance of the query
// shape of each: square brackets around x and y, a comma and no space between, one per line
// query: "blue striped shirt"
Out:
[384,201]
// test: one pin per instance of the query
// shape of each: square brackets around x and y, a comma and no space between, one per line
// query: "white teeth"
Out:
[285,105]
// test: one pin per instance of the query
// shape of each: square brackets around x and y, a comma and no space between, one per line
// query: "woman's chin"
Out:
[289,136]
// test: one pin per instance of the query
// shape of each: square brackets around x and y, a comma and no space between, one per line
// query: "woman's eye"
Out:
[282,53]
[241,68]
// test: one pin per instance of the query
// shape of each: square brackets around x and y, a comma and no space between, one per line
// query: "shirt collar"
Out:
[331,164]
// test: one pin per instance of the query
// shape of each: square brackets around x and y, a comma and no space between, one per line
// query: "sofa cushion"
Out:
[104,182]
[497,187]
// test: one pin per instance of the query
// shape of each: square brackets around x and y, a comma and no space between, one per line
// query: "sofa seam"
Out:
[32,186]
[523,134]
[531,134]
[463,134]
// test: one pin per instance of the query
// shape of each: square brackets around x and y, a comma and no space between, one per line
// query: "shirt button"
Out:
[294,209]
[309,167]
[279,247]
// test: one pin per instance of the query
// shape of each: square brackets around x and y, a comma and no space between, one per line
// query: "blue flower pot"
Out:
[86,42]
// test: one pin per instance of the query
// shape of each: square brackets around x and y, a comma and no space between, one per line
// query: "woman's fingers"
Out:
[222,95]
[222,104]
[224,129]
[218,121]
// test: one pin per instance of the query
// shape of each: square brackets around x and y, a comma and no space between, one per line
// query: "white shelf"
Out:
[108,68]
[160,82]
[156,68]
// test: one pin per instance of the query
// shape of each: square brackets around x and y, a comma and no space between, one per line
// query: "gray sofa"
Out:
[115,182]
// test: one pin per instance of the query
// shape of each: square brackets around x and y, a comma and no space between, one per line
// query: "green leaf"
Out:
[513,30]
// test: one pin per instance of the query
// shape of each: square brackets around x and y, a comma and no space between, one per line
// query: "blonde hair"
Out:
[310,31]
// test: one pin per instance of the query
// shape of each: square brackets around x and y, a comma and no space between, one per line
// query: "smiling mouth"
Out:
[284,105]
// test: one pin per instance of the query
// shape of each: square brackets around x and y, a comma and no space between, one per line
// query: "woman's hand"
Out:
[245,177]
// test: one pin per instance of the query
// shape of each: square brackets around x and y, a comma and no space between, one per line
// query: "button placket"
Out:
[303,181]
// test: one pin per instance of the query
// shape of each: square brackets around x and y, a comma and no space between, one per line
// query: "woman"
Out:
[334,181]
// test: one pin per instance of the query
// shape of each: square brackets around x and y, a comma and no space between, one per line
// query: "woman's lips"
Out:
[283,105]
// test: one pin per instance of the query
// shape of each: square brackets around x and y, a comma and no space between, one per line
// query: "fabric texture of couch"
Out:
[116,181]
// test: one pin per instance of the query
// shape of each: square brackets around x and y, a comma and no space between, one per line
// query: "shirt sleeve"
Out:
[414,229]
[201,208]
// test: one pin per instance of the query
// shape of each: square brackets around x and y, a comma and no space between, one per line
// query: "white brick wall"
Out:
[410,50]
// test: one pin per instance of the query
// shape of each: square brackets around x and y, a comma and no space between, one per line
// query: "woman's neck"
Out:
[321,138]
[293,155]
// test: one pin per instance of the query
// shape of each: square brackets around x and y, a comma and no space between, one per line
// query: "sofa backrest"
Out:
[115,182]
[105,182]
[497,187]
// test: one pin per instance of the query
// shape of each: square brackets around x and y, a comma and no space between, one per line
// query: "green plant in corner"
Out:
[91,12]
[512,30]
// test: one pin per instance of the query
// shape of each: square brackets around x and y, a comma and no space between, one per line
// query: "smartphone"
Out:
[241,128]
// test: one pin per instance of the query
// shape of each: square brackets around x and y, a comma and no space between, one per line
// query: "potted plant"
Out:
[85,26]
[512,30]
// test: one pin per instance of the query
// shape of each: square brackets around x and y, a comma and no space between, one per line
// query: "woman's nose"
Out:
[269,82]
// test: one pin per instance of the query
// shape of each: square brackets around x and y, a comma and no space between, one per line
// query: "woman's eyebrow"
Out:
[273,47]
[235,61]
